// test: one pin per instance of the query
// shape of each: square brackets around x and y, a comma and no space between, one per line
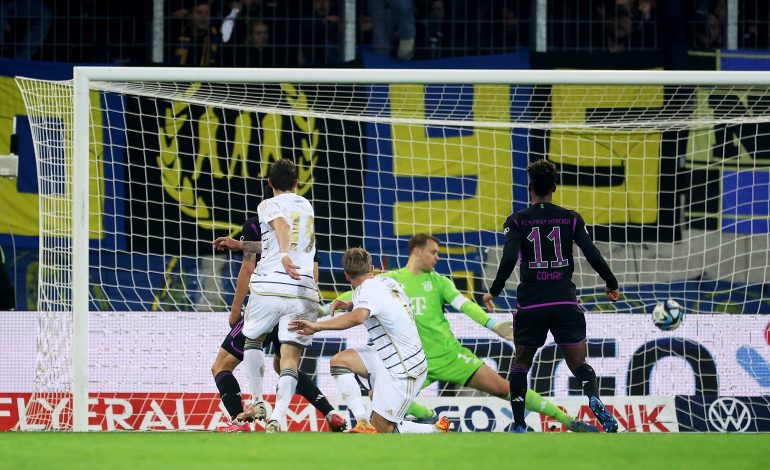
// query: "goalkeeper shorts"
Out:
[457,368]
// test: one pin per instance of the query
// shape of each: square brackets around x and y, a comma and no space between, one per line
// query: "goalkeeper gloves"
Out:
[503,329]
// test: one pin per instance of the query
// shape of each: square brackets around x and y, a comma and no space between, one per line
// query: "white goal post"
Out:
[723,255]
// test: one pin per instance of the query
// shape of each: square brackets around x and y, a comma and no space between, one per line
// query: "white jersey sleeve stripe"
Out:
[459,301]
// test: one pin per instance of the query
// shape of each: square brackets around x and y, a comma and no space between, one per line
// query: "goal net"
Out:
[672,181]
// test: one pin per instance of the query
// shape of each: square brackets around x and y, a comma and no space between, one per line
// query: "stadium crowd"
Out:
[279,33]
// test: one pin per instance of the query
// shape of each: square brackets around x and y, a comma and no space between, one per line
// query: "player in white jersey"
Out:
[394,363]
[282,286]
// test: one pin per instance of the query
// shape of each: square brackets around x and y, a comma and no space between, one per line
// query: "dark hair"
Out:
[543,177]
[283,174]
[356,262]
[419,240]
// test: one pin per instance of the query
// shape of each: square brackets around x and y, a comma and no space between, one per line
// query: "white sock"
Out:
[351,392]
[254,365]
[287,385]
[408,427]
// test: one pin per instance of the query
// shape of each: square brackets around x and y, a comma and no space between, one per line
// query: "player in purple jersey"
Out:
[542,236]
[231,352]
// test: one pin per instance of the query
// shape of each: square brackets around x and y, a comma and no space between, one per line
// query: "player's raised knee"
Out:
[338,360]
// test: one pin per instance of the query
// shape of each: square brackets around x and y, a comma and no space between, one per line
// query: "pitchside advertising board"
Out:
[711,374]
[204,412]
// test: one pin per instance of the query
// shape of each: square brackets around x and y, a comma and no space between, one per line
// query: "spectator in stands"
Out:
[709,17]
[514,26]
[237,20]
[28,21]
[619,29]
[365,23]
[753,22]
[756,35]
[646,18]
[712,37]
[199,42]
[629,24]
[258,51]
[389,16]
[673,40]
[320,35]
[176,21]
[438,29]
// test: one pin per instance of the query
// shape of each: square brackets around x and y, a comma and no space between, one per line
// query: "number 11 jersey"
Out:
[541,237]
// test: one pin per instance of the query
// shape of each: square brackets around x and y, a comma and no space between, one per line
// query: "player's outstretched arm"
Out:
[596,260]
[250,252]
[452,296]
[503,329]
[228,243]
[248,264]
[340,305]
[342,322]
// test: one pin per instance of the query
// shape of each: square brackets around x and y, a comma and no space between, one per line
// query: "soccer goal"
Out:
[139,169]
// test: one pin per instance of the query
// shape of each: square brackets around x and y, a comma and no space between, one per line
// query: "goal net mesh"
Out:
[672,182]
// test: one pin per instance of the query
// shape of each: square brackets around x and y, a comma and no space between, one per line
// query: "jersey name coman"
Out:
[270,277]
[391,326]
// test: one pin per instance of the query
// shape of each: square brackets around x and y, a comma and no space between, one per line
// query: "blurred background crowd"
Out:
[290,33]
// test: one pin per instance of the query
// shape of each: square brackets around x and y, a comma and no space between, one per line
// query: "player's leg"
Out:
[344,367]
[292,345]
[260,317]
[287,385]
[517,379]
[390,396]
[574,355]
[384,426]
[307,388]
[391,399]
[229,389]
[530,328]
[569,332]
[421,413]
[228,357]
[254,371]
[487,380]
[254,365]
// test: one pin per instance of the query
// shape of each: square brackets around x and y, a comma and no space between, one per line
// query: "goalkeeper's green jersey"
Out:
[429,292]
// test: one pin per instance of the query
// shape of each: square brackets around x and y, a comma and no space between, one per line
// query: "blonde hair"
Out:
[357,261]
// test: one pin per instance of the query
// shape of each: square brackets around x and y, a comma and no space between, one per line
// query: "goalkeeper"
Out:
[448,360]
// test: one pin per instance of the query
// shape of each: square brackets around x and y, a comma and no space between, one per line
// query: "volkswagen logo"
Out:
[729,415]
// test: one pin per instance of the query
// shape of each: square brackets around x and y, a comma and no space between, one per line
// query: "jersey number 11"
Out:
[555,237]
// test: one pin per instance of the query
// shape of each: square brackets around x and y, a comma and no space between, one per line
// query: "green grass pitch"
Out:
[487,451]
